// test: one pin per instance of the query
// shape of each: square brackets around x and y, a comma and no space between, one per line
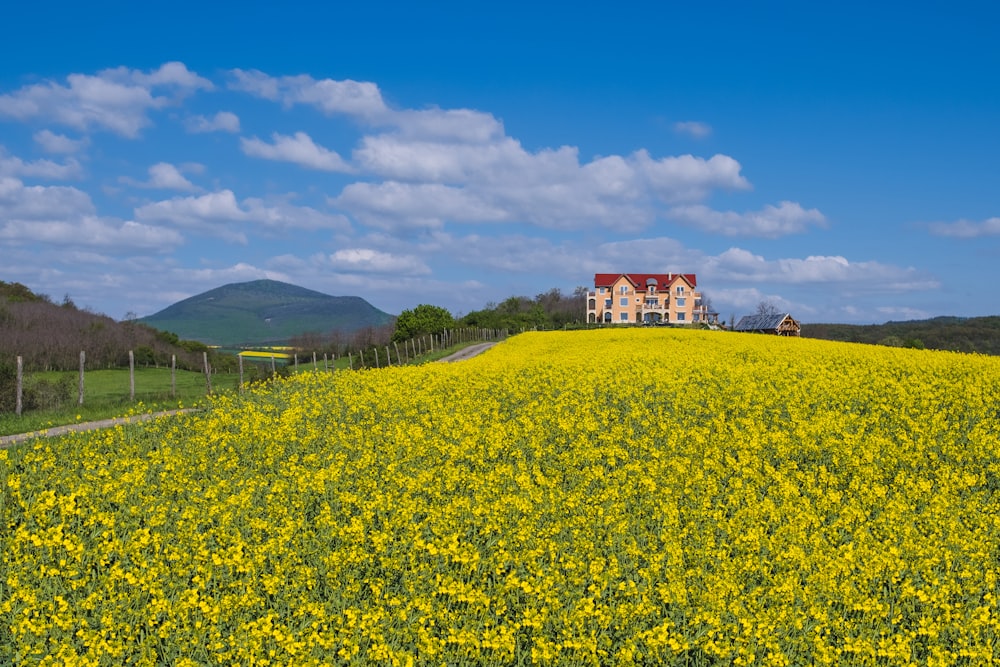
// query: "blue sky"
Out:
[839,161]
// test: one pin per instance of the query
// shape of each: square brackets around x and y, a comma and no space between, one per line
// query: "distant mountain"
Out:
[960,334]
[264,312]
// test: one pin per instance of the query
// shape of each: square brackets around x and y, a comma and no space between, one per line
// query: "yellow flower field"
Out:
[634,496]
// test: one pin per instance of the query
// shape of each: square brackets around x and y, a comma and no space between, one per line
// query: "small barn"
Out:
[778,324]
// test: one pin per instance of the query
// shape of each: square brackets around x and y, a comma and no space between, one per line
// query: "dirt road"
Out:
[6,440]
[468,352]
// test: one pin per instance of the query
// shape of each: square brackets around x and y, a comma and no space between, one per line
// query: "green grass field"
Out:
[107,394]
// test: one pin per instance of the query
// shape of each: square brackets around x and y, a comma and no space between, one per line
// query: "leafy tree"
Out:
[422,320]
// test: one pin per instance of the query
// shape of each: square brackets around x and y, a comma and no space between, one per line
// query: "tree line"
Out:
[959,334]
[50,336]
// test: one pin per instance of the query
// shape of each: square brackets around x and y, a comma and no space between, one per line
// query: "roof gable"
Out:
[641,280]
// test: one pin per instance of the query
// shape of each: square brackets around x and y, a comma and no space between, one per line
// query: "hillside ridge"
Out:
[263,312]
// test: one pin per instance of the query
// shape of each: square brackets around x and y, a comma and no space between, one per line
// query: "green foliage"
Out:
[421,321]
[548,310]
[18,293]
[144,356]
[958,334]
[194,346]
[37,393]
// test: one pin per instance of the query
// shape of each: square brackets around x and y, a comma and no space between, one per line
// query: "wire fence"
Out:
[255,367]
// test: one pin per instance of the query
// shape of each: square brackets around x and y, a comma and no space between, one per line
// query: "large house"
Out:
[647,298]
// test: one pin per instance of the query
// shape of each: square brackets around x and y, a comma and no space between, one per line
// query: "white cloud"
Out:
[402,205]
[164,176]
[453,125]
[223,121]
[458,165]
[277,215]
[367,260]
[59,143]
[687,178]
[115,99]
[37,202]
[299,149]
[737,264]
[769,222]
[90,231]
[47,169]
[64,216]
[212,206]
[693,128]
[218,212]
[355,98]
[500,181]
[967,229]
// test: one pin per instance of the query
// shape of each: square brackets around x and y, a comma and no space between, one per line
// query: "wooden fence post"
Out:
[399,360]
[361,353]
[350,361]
[208,373]
[240,357]
[274,371]
[376,356]
[173,376]
[315,367]
[20,385]
[83,358]
[131,375]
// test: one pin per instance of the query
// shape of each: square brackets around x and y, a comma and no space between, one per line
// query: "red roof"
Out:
[638,280]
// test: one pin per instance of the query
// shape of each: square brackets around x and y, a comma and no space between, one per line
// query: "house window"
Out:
[679,301]
[652,289]
[601,291]
[680,317]
[624,317]
[624,302]
[623,289]
[652,302]
[696,317]
[607,317]
[607,303]
[680,289]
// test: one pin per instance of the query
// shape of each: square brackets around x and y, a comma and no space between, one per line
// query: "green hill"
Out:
[961,334]
[264,312]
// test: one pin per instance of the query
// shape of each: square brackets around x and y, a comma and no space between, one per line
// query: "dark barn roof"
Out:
[761,322]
